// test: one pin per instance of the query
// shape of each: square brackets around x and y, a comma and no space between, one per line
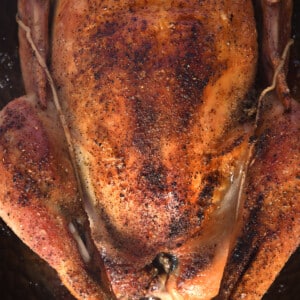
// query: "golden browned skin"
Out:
[270,205]
[151,91]
[38,193]
[270,213]
[39,197]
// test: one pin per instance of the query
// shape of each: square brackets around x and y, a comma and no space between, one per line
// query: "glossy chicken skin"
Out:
[150,90]
[153,97]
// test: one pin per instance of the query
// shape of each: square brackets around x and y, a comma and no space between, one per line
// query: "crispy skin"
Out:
[270,213]
[152,94]
[38,193]
[150,90]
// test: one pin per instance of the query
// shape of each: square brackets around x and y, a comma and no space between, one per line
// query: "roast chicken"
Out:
[141,164]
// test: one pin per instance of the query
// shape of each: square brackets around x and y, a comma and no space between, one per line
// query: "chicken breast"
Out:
[151,91]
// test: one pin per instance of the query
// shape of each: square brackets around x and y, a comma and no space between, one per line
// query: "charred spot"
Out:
[13,120]
[250,253]
[207,192]
[141,55]
[260,200]
[107,29]
[153,176]
[253,216]
[23,199]
[97,75]
[150,298]
[211,181]
[28,187]
[252,139]
[262,143]
[200,215]
[144,25]
[179,225]
[245,248]
[241,250]
[191,81]
[111,58]
[195,30]
[243,255]
[17,177]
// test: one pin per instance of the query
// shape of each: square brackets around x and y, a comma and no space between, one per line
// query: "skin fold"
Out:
[143,185]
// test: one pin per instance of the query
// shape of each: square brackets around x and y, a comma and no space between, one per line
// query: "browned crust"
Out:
[38,193]
[150,90]
[271,210]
